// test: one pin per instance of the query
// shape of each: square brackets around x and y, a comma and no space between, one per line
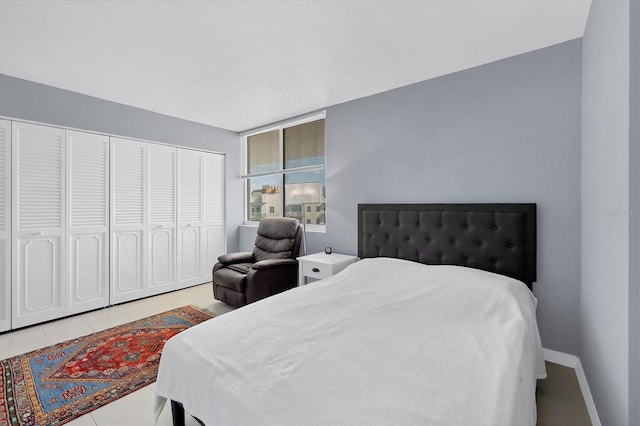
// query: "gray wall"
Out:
[508,131]
[31,101]
[604,314]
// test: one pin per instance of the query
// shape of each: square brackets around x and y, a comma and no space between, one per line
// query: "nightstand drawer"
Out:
[316,269]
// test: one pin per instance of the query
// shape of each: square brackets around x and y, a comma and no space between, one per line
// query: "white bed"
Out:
[441,345]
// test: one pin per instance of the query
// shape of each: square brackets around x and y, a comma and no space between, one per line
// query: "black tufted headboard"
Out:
[498,238]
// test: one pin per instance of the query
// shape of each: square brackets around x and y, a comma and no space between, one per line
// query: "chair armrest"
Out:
[274,263]
[240,257]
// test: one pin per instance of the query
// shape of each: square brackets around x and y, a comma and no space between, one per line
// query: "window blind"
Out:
[263,152]
[303,144]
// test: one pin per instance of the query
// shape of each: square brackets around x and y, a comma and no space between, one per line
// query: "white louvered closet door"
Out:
[213,213]
[162,218]
[189,217]
[38,216]
[128,220]
[5,225]
[87,221]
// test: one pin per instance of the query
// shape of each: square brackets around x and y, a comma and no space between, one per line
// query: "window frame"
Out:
[281,172]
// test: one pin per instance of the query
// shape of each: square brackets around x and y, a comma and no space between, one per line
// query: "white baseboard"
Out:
[561,358]
[573,361]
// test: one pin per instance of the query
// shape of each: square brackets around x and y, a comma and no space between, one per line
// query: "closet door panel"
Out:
[162,217]
[40,284]
[213,213]
[87,275]
[5,225]
[87,221]
[190,255]
[38,222]
[190,167]
[163,258]
[214,247]
[128,265]
[128,220]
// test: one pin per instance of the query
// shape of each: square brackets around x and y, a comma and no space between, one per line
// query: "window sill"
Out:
[318,229]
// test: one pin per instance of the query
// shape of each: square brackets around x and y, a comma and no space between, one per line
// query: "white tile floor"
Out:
[137,407]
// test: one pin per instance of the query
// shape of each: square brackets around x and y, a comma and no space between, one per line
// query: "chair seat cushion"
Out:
[231,279]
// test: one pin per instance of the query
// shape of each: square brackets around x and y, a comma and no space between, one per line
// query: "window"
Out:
[285,172]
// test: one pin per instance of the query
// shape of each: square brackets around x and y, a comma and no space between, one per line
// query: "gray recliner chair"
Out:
[242,278]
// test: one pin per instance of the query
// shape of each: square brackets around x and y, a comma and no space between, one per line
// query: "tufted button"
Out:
[493,261]
[428,239]
[418,225]
[441,226]
[494,227]
[466,226]
[510,245]
[479,243]
[465,258]
[452,241]
[440,255]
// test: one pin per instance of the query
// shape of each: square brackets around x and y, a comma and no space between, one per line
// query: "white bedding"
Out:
[386,341]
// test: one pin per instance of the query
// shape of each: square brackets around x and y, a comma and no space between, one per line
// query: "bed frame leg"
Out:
[177,413]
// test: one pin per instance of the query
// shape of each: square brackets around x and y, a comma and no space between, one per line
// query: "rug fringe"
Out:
[204,310]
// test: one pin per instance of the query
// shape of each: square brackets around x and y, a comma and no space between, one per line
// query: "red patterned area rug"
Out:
[57,384]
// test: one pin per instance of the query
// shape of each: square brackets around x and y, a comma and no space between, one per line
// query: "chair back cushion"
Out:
[276,238]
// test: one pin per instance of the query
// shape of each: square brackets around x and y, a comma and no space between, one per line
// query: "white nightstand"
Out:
[322,265]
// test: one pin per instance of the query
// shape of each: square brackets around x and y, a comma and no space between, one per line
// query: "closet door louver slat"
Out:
[162,184]
[128,183]
[5,167]
[39,175]
[214,188]
[89,181]
[190,183]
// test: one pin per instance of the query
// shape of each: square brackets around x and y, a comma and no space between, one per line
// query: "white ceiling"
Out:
[242,64]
